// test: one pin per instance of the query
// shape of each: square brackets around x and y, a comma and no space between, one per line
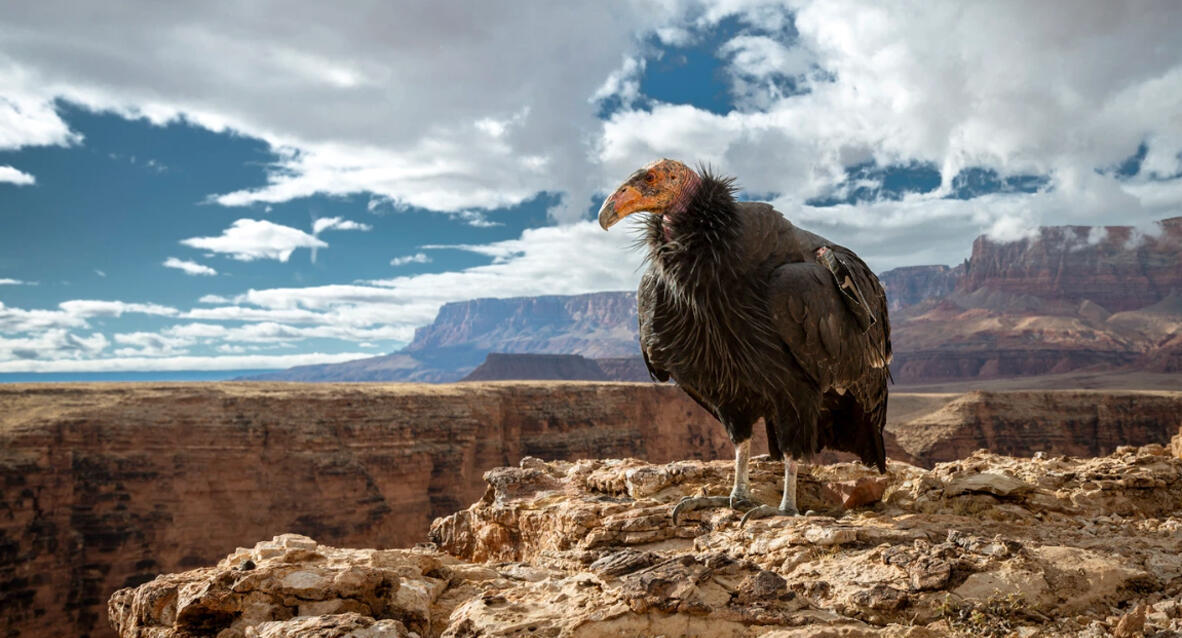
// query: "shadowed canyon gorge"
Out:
[106,486]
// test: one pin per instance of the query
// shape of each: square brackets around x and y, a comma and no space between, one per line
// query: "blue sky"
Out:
[225,187]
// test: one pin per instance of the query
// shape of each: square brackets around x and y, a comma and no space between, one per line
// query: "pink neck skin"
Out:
[681,201]
[688,187]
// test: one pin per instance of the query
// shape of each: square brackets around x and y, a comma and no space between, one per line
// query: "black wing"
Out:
[830,342]
[647,299]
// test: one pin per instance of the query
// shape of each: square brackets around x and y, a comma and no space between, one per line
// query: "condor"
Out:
[754,317]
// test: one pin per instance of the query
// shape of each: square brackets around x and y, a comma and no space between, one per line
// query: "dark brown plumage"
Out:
[749,315]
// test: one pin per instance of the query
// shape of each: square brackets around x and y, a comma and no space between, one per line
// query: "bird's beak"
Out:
[625,201]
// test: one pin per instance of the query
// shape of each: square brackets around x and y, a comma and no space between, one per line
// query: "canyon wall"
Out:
[107,485]
[1056,423]
[911,285]
[1117,267]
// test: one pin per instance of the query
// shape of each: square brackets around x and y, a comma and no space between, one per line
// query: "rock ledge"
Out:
[988,545]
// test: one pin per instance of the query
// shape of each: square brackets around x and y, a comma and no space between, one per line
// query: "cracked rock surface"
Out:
[985,546]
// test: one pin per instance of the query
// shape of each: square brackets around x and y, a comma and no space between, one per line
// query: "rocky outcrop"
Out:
[106,486]
[1071,298]
[910,285]
[1117,267]
[986,546]
[501,366]
[625,369]
[599,324]
[1059,422]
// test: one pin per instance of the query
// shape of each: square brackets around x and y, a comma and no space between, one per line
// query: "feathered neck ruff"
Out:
[694,243]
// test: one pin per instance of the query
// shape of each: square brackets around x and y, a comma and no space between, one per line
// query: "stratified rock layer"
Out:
[105,486]
[1064,422]
[985,546]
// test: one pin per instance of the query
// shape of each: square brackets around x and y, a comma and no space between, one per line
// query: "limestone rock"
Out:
[988,545]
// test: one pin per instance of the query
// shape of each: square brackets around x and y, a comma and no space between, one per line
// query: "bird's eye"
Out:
[650,178]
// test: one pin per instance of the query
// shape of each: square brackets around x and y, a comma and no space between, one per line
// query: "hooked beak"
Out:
[625,201]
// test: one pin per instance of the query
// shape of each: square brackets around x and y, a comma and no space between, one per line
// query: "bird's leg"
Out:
[787,502]
[740,494]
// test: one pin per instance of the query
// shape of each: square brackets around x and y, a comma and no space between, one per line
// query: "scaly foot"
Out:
[764,511]
[691,503]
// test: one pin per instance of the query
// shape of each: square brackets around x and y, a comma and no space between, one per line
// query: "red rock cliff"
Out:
[1113,266]
[107,486]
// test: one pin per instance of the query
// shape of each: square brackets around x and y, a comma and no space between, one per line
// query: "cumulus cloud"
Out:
[349,107]
[11,175]
[251,239]
[337,223]
[73,314]
[1048,91]
[1057,90]
[55,343]
[190,362]
[417,258]
[189,267]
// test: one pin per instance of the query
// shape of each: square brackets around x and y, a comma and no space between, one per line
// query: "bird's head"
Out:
[664,188]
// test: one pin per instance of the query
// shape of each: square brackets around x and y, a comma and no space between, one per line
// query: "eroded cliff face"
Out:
[986,546]
[1113,266]
[1071,298]
[107,486]
[1054,422]
[911,285]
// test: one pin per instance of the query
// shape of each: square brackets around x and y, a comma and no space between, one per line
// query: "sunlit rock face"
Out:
[1068,298]
[107,486]
[988,545]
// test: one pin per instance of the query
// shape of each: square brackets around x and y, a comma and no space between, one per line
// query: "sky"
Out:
[229,185]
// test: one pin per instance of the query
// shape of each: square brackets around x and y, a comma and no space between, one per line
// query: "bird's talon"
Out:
[691,503]
[764,511]
[742,503]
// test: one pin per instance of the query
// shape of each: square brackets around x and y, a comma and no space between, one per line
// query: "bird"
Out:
[754,317]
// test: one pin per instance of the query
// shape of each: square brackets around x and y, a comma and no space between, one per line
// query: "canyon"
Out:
[108,485]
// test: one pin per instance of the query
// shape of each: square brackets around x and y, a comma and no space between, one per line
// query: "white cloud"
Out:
[622,83]
[86,308]
[27,113]
[337,223]
[55,343]
[1019,89]
[11,175]
[213,299]
[351,108]
[73,314]
[189,362]
[250,239]
[476,219]
[1002,86]
[189,267]
[417,258]
[4,281]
